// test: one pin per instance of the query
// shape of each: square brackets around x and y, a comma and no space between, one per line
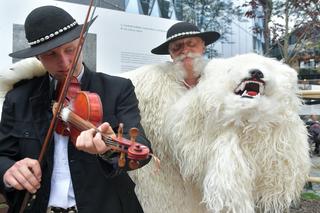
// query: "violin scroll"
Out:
[134,150]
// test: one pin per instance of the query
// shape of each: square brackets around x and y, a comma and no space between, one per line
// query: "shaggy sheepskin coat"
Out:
[219,151]
[245,154]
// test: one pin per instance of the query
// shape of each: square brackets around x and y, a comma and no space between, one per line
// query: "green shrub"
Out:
[310,196]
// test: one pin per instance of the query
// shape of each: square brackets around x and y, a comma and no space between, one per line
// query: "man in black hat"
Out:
[84,177]
[186,46]
[159,87]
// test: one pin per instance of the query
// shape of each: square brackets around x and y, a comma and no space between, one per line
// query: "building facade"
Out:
[239,39]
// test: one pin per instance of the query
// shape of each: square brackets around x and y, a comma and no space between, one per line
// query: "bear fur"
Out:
[218,149]
[24,69]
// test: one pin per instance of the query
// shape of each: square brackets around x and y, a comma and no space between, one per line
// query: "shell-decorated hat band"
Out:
[182,34]
[51,35]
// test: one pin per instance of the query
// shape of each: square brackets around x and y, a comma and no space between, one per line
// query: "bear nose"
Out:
[256,74]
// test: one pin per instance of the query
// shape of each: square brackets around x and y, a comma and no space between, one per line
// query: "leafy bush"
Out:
[310,196]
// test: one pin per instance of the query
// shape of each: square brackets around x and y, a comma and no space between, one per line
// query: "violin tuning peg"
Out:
[134,132]
[120,130]
[134,164]
[122,160]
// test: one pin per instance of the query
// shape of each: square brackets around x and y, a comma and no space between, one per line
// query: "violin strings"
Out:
[82,124]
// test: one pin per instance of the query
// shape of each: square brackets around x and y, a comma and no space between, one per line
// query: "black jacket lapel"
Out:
[41,108]
[86,78]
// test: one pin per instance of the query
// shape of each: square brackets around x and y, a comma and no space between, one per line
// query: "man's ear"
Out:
[204,48]
[170,55]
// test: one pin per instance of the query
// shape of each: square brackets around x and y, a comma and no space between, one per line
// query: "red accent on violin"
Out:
[86,113]
[74,87]
[89,107]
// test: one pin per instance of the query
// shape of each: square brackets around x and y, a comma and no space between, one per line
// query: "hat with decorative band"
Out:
[46,28]
[184,30]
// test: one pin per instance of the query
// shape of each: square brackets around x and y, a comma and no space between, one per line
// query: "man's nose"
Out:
[64,61]
[185,48]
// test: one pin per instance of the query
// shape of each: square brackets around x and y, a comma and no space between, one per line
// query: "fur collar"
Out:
[24,69]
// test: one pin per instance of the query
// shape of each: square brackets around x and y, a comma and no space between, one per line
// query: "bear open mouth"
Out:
[250,88]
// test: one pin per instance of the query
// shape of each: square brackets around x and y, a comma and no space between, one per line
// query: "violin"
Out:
[85,112]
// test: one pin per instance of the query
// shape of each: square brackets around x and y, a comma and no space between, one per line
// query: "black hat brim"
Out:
[50,44]
[208,38]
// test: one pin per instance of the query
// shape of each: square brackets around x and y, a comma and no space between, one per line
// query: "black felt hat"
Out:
[184,30]
[46,28]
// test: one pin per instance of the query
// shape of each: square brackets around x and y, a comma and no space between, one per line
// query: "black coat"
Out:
[98,186]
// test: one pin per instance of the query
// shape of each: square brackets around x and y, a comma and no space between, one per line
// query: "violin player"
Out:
[84,177]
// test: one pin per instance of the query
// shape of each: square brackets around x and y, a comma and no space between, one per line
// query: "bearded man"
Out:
[158,87]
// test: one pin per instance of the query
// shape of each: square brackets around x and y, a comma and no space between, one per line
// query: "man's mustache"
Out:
[188,55]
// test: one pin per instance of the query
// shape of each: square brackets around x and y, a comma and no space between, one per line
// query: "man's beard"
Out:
[198,64]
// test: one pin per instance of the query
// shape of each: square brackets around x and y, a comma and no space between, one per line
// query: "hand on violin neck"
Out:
[106,129]
[91,141]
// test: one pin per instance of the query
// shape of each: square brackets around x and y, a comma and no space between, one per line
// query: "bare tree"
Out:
[210,15]
[297,21]
[254,8]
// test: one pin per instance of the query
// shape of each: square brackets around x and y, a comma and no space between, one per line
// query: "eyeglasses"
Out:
[177,46]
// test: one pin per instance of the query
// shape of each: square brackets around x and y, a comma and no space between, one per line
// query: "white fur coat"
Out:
[25,69]
[157,88]
[219,152]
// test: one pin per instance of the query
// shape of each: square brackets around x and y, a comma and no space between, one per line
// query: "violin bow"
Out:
[84,31]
